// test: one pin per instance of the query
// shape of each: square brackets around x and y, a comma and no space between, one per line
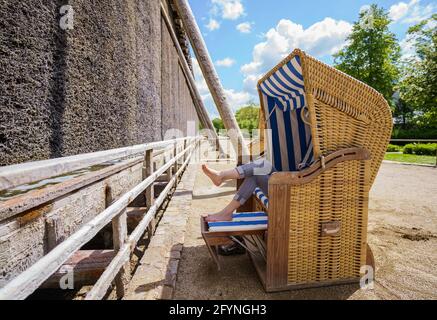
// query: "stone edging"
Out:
[155,277]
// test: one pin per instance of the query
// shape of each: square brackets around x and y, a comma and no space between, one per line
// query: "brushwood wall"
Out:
[112,80]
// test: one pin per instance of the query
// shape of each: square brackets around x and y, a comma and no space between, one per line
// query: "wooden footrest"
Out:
[221,233]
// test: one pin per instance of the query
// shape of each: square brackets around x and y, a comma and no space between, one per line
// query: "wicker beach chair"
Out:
[327,136]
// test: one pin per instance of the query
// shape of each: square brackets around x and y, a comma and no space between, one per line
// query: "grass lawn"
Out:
[410,158]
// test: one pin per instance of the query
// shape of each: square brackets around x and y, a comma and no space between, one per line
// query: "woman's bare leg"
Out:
[218,177]
[243,194]
[226,213]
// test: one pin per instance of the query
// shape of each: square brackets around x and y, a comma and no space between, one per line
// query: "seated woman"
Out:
[255,174]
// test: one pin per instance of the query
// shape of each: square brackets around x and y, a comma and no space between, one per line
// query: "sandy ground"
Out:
[402,234]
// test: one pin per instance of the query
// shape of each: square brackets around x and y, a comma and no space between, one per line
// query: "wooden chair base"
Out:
[260,267]
[215,239]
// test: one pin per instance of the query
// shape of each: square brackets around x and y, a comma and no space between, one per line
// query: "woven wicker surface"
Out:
[340,194]
[344,113]
[348,112]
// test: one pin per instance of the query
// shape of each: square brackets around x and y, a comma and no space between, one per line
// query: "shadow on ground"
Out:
[198,278]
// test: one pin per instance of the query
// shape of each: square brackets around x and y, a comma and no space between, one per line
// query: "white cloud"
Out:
[397,11]
[213,25]
[412,12]
[408,44]
[323,38]
[245,27]
[226,62]
[228,9]
[364,8]
[407,48]
[235,98]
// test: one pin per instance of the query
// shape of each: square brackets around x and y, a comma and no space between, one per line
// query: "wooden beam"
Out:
[119,238]
[202,113]
[148,171]
[175,152]
[35,198]
[169,173]
[18,174]
[211,77]
[87,267]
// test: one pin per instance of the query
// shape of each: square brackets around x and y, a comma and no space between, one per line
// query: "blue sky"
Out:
[246,38]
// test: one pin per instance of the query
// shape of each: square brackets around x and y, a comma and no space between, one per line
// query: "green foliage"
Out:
[408,149]
[393,148]
[248,118]
[418,87]
[218,124]
[372,53]
[425,133]
[420,149]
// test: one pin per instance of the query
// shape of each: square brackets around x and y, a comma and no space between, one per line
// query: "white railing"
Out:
[33,277]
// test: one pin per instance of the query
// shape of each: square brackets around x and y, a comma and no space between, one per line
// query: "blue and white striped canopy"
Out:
[286,86]
[289,144]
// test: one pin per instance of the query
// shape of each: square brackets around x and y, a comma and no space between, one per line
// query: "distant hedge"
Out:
[429,149]
[394,148]
[414,134]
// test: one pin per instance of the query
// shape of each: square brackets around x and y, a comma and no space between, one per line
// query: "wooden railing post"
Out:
[169,172]
[175,152]
[150,190]
[119,234]
[148,171]
[119,237]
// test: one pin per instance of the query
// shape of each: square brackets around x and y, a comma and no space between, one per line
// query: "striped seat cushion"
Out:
[262,197]
[289,142]
[246,221]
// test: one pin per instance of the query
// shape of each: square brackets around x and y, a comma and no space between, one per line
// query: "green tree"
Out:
[218,124]
[418,87]
[372,52]
[248,117]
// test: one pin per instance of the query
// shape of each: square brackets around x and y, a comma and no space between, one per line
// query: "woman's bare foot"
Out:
[219,217]
[213,175]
